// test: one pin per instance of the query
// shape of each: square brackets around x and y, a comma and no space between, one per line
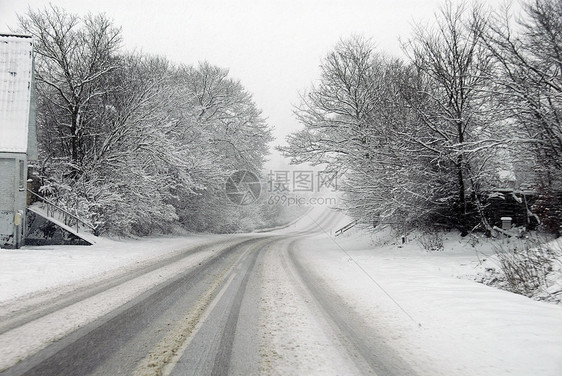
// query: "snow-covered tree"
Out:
[132,142]
[528,53]
[337,112]
[73,54]
[226,127]
[354,122]
[456,113]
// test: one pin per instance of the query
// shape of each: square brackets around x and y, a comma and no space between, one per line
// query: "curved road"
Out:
[250,307]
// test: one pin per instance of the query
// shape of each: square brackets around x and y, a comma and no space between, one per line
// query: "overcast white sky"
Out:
[274,47]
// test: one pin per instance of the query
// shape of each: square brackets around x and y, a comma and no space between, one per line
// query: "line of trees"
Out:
[132,142]
[421,141]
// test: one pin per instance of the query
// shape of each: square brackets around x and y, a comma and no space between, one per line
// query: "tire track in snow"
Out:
[380,359]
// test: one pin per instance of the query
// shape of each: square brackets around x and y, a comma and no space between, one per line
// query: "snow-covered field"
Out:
[425,305]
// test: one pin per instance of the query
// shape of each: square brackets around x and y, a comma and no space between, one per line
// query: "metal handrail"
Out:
[51,207]
[346,227]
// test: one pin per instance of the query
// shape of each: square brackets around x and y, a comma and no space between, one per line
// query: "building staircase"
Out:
[49,224]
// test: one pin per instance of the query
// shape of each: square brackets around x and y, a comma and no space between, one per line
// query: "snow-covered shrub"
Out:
[431,241]
[529,267]
[119,201]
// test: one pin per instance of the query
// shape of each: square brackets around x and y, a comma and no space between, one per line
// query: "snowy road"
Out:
[296,301]
[205,320]
[150,326]
[220,309]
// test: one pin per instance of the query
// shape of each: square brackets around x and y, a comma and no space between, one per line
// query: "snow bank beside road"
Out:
[442,324]
[35,269]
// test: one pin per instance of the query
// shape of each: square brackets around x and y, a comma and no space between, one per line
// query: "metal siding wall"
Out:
[7,200]
[15,83]
[7,183]
[16,68]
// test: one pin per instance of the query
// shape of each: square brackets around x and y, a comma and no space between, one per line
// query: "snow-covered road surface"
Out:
[297,301]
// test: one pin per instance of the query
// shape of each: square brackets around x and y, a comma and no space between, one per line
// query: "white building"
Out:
[18,142]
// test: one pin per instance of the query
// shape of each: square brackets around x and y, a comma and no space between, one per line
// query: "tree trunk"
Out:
[74,141]
[463,220]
